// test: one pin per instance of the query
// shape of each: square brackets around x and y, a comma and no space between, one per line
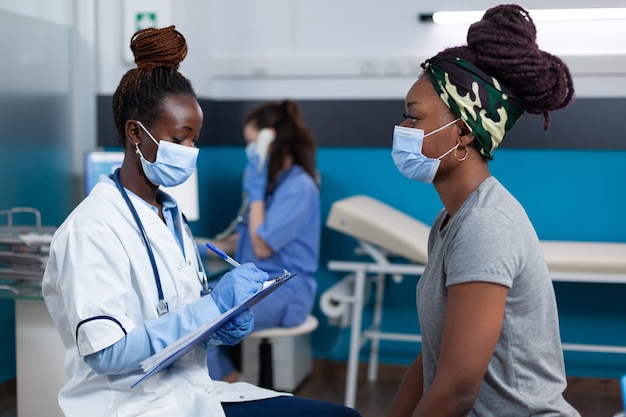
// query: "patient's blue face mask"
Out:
[408,157]
[173,165]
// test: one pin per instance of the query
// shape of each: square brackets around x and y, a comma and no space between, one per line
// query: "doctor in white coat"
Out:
[123,280]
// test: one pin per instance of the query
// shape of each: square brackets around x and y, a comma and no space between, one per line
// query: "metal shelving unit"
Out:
[24,250]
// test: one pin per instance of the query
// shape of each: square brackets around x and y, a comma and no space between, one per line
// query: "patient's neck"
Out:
[456,185]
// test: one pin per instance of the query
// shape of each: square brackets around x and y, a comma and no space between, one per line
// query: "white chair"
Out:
[279,357]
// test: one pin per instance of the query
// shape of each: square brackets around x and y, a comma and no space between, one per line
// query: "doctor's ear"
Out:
[132,131]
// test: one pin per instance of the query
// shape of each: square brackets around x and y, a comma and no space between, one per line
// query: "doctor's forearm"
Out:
[257,216]
[122,357]
[152,336]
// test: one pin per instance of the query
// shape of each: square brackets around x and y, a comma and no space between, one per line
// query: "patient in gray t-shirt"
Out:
[486,305]
[491,239]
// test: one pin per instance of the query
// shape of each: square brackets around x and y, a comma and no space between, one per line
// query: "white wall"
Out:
[191,17]
[251,49]
[20,70]
[58,11]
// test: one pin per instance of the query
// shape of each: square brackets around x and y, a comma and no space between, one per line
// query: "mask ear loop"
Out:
[464,156]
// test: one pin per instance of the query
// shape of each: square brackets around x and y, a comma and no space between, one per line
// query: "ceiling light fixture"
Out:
[538,15]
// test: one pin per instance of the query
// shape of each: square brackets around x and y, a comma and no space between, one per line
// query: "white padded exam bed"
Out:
[384,233]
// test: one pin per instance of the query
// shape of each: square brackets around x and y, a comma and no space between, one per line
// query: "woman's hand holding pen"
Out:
[232,289]
[237,285]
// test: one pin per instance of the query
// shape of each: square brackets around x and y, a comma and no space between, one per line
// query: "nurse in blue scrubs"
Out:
[280,226]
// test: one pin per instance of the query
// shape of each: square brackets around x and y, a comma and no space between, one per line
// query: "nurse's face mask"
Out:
[408,157]
[173,165]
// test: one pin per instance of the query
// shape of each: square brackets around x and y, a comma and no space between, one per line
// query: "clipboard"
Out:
[164,358]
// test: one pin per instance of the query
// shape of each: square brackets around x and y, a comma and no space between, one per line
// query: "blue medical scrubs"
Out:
[292,230]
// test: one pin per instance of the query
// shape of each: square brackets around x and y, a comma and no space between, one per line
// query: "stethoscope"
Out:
[162,307]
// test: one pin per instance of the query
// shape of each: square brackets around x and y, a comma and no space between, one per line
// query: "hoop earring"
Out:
[464,156]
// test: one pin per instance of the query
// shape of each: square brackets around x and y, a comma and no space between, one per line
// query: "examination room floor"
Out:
[591,397]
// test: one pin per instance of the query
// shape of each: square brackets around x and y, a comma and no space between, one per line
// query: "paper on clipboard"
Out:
[174,351]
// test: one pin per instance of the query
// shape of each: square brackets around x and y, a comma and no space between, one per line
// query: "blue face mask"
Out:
[408,157]
[173,165]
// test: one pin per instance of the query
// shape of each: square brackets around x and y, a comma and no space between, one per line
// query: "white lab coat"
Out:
[99,284]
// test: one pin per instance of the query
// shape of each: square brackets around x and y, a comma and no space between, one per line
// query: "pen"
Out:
[223,255]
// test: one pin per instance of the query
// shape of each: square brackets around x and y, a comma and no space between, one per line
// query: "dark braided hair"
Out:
[140,94]
[292,138]
[503,44]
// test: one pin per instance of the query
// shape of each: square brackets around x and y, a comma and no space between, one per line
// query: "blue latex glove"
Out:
[255,178]
[232,289]
[235,330]
[237,285]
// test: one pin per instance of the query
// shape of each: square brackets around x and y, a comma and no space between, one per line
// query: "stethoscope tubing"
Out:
[157,278]
[162,307]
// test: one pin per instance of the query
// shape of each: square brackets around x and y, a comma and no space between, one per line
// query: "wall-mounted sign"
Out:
[141,14]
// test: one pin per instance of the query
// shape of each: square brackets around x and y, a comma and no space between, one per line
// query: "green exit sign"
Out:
[145,20]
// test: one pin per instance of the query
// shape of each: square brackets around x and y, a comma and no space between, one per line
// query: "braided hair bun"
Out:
[153,47]
[141,91]
[503,44]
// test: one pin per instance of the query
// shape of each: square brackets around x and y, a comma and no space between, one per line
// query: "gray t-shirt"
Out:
[491,239]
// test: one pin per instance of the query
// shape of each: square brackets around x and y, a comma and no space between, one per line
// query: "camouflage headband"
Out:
[487,107]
